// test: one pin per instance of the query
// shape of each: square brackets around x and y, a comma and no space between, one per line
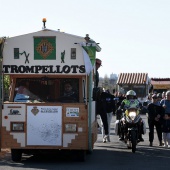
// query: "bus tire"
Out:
[16,155]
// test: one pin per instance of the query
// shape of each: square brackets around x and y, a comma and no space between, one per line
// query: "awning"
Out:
[132,78]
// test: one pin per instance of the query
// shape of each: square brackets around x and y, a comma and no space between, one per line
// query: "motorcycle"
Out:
[132,125]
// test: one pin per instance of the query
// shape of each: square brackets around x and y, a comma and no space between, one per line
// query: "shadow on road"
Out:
[104,157]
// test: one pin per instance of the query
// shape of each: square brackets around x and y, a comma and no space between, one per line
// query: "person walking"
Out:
[108,105]
[155,113]
[102,112]
[149,99]
[163,94]
[101,105]
[165,102]
[166,130]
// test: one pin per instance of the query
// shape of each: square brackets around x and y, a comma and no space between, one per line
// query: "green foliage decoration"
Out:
[6,83]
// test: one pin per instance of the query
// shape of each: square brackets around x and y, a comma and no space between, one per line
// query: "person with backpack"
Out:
[110,109]
[107,105]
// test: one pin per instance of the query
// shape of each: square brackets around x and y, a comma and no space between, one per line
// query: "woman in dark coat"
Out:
[155,114]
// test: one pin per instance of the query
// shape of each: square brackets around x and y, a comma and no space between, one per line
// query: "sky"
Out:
[134,34]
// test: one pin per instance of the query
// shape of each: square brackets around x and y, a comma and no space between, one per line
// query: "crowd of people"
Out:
[158,114]
[156,108]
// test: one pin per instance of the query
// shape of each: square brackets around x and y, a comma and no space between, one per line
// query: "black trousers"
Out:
[103,114]
[105,123]
[152,124]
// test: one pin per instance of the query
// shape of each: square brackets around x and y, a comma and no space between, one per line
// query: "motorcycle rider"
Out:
[130,100]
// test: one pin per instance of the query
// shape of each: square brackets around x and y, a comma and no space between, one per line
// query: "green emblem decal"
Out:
[44,48]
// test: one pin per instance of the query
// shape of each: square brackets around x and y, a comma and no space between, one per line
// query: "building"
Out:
[160,84]
[139,82]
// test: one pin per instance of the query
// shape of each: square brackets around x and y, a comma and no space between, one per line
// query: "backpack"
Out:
[109,101]
[96,93]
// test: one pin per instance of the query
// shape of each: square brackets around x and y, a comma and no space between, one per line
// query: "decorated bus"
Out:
[41,114]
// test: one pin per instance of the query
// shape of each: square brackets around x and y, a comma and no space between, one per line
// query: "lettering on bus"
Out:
[49,110]
[14,112]
[44,69]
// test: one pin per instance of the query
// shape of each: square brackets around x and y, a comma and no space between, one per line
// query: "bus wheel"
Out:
[16,155]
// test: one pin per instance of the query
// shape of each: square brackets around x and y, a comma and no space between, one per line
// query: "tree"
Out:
[6,84]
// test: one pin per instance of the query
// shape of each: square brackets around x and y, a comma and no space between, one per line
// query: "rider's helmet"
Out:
[131,94]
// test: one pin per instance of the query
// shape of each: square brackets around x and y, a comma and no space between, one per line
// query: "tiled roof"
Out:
[160,79]
[160,82]
[132,78]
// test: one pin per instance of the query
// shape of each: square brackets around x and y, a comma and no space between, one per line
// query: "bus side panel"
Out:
[78,140]
[13,118]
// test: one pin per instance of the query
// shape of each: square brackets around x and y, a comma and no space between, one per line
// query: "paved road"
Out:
[112,155]
[115,141]
[146,157]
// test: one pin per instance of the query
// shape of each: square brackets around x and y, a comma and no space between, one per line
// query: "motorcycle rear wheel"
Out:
[133,140]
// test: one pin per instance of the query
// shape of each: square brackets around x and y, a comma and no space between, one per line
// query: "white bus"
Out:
[46,60]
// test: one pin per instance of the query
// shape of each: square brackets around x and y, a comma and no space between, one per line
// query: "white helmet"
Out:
[131,93]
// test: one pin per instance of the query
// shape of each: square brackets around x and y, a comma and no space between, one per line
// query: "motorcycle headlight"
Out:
[132,115]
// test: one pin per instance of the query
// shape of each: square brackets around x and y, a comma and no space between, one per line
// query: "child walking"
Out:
[166,130]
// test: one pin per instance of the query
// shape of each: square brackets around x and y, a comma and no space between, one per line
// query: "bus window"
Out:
[69,90]
[53,89]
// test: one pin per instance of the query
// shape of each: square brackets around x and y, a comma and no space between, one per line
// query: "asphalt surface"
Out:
[114,138]
[111,155]
[145,157]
